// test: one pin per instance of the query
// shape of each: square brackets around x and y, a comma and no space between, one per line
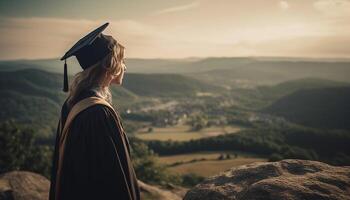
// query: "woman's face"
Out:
[118,79]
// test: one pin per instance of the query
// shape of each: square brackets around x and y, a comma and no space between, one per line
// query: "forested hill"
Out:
[263,96]
[289,87]
[34,97]
[227,71]
[320,108]
[167,85]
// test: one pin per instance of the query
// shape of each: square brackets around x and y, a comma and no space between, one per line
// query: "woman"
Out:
[92,154]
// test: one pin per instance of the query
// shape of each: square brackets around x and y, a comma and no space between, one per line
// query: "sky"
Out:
[35,29]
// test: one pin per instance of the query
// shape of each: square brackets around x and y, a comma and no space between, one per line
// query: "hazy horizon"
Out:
[335,59]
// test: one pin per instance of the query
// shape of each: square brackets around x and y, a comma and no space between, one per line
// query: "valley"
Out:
[215,112]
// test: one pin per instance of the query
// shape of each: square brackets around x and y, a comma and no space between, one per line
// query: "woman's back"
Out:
[96,162]
[66,108]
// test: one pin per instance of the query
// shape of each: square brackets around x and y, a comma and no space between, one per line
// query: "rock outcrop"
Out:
[286,179]
[22,185]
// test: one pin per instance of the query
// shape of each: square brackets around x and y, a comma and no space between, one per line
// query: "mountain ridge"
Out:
[304,107]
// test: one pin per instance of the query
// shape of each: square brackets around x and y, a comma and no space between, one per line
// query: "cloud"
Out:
[213,30]
[33,38]
[283,5]
[333,8]
[178,8]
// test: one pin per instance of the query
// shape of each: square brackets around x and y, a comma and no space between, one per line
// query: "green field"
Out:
[183,133]
[209,168]
[212,164]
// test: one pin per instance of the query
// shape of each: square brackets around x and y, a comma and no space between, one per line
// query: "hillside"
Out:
[263,96]
[31,97]
[135,65]
[289,87]
[320,108]
[33,82]
[34,97]
[261,72]
[226,71]
[166,85]
[40,82]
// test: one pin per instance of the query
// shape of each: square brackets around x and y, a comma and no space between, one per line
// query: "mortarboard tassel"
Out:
[65,78]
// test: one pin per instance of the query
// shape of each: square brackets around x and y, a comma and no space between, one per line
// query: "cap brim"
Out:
[86,40]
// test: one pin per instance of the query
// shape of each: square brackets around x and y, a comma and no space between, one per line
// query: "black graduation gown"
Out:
[96,162]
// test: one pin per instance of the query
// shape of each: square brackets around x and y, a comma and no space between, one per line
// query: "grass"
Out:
[211,165]
[183,133]
[198,155]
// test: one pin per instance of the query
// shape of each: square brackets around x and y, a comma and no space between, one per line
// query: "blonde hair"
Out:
[97,76]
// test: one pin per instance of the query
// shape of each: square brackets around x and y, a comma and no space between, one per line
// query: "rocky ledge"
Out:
[22,185]
[286,179]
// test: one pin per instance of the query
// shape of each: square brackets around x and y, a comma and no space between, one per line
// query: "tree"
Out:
[191,179]
[146,166]
[221,157]
[275,157]
[198,122]
[19,151]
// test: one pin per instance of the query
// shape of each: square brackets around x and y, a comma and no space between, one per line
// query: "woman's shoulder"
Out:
[84,94]
[94,118]
[97,109]
[92,122]
[96,113]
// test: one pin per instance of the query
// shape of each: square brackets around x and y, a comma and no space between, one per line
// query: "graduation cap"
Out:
[89,50]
